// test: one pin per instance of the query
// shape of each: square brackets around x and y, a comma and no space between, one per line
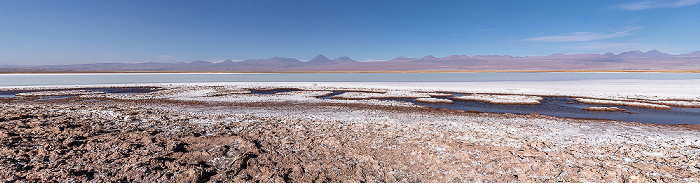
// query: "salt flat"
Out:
[218,127]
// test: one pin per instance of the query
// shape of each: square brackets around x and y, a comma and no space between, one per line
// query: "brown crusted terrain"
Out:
[133,141]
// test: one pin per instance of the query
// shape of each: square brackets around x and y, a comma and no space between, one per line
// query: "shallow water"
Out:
[131,78]
[558,106]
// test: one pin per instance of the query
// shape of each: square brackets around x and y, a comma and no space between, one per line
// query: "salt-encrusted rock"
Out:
[622,103]
[434,100]
[610,109]
[502,99]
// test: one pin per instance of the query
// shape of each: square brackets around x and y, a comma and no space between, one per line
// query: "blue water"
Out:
[560,107]
[87,79]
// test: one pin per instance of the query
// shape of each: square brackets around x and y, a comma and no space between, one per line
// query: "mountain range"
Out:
[632,60]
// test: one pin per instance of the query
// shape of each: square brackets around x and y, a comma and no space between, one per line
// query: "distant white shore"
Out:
[604,89]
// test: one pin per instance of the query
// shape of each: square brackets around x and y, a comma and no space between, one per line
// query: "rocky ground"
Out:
[162,140]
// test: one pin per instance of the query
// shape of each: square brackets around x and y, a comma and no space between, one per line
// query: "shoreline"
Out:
[231,72]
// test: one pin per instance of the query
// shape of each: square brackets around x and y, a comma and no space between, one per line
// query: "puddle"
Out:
[7,94]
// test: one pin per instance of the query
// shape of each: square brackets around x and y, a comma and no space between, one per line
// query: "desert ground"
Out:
[223,132]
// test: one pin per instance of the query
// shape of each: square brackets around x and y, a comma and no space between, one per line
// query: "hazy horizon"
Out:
[218,61]
[81,32]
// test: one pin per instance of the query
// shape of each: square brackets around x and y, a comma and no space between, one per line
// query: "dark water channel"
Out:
[555,106]
[558,106]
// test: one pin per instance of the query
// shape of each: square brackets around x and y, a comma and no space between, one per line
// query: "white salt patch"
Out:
[440,94]
[502,99]
[603,109]
[388,94]
[434,100]
[622,103]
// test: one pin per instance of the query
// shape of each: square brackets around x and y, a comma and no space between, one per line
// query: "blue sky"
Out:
[92,31]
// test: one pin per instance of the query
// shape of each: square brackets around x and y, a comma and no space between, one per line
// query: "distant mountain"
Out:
[632,60]
[402,58]
[428,58]
[273,62]
[637,53]
[341,60]
[227,61]
[693,54]
[609,54]
[456,57]
[320,60]
[656,53]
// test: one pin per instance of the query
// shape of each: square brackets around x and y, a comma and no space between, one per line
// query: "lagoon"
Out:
[8,80]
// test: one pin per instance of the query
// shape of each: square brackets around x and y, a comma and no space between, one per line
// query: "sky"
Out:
[97,31]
